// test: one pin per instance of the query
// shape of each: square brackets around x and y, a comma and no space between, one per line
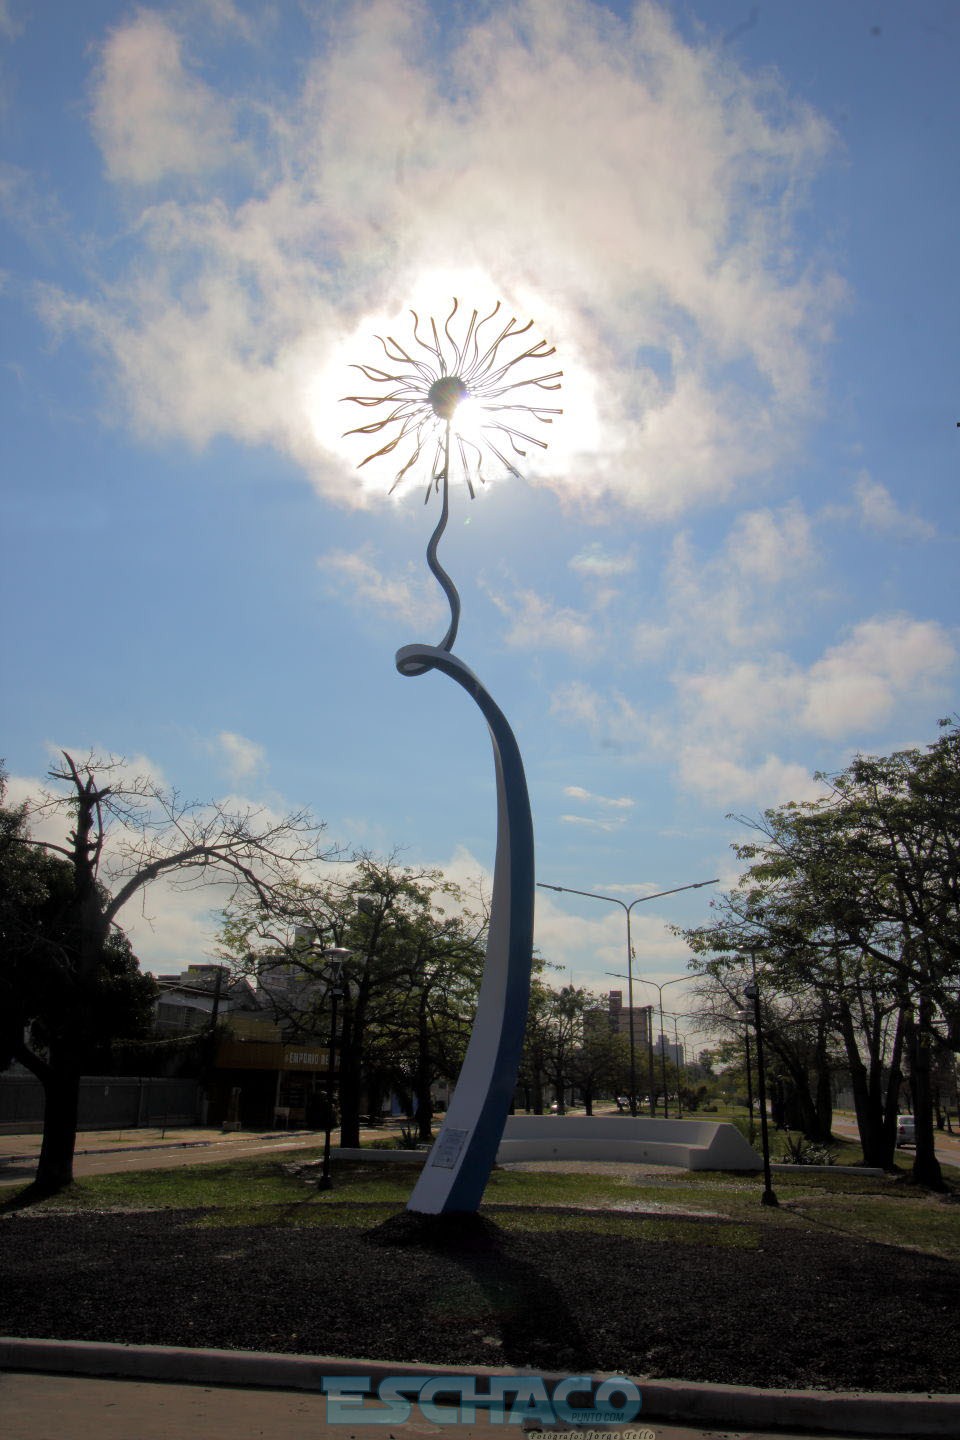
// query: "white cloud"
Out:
[649,641]
[610,812]
[596,563]
[606,802]
[737,718]
[725,601]
[536,623]
[665,179]
[577,704]
[716,774]
[590,823]
[748,699]
[735,726]
[151,117]
[608,715]
[10,25]
[591,945]
[859,682]
[771,547]
[244,759]
[879,511]
[355,576]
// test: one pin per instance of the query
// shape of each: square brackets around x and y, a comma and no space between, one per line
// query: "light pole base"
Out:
[768,1198]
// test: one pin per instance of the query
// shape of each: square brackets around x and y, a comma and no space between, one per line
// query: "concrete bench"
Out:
[692,1144]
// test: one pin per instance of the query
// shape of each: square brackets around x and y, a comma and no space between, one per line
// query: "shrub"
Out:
[806,1152]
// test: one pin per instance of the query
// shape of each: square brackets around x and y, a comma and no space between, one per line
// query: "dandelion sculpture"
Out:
[428,393]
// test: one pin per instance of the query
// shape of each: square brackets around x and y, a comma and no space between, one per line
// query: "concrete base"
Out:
[690,1144]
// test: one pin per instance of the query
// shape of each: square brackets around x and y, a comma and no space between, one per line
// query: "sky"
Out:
[735,563]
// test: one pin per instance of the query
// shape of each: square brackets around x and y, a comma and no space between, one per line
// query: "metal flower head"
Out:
[423,393]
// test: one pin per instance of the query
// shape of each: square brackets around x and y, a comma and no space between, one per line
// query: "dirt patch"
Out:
[792,1310]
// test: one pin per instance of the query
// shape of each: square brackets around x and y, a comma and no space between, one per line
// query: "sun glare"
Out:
[508,413]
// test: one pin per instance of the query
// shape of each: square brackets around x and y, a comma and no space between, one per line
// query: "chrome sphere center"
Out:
[445,395]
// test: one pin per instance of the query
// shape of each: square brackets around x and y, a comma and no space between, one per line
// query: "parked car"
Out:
[906,1130]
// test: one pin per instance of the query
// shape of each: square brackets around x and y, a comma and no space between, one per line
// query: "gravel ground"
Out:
[789,1309]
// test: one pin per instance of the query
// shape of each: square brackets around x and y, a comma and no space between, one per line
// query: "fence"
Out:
[106,1102]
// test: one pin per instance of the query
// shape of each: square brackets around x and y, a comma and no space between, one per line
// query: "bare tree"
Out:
[127,832]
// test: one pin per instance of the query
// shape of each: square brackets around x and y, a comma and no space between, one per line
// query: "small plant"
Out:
[800,1151]
[409,1139]
[748,1129]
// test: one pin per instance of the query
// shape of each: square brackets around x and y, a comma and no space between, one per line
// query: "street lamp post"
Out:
[676,1061]
[744,1015]
[751,992]
[337,956]
[640,900]
[663,1039]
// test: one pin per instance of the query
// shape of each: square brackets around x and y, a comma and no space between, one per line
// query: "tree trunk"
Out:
[423,1077]
[350,1087]
[823,1095]
[799,1110]
[926,1166]
[537,1090]
[876,1138]
[61,1091]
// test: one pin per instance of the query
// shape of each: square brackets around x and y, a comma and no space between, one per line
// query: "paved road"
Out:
[108,1152]
[947,1146]
[111,1152]
[62,1407]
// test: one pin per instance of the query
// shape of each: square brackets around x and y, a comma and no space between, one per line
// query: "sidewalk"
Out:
[33,1407]
[105,1142]
[130,1392]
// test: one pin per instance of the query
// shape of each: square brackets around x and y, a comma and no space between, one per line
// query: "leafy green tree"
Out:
[408,983]
[849,907]
[563,1037]
[600,1064]
[568,1044]
[436,997]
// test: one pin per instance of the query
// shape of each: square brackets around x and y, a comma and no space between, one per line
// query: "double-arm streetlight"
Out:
[663,1041]
[677,1037]
[627,908]
[663,1038]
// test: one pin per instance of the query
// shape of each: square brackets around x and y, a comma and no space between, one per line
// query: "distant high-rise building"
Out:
[672,1050]
[620,1018]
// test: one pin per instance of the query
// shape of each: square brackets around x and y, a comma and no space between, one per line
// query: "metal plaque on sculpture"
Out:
[446,1150]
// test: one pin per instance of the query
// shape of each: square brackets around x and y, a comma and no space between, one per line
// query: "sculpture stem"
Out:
[446,584]
[459,1165]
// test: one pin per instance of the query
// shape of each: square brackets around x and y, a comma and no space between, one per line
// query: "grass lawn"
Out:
[264,1192]
[648,1273]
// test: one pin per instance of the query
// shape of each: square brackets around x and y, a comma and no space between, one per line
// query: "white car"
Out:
[906,1130]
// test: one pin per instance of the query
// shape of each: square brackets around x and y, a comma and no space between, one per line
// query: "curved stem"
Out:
[456,1173]
[446,584]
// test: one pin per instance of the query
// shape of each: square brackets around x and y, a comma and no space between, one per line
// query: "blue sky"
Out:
[734,565]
